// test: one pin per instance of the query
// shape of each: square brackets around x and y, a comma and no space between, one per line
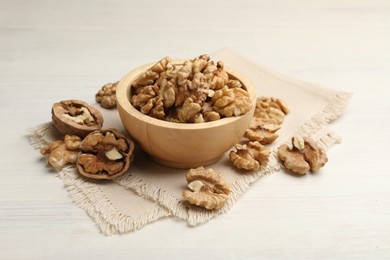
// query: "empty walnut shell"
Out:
[105,154]
[75,117]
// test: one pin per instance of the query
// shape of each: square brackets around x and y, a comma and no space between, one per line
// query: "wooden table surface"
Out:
[55,50]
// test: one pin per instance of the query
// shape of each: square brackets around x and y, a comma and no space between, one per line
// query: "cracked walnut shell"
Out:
[249,157]
[62,152]
[106,95]
[304,156]
[75,117]
[105,154]
[209,189]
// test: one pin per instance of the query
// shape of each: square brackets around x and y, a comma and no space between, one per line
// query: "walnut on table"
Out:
[249,156]
[106,95]
[208,188]
[62,152]
[105,154]
[305,155]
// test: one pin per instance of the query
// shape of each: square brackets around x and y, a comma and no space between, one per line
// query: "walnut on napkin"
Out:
[208,188]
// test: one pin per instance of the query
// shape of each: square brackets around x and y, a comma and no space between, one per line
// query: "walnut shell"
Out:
[105,154]
[75,117]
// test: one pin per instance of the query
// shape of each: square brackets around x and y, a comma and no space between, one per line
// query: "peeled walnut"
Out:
[75,117]
[189,112]
[152,74]
[105,154]
[305,155]
[220,77]
[231,102]
[208,188]
[62,152]
[249,157]
[262,132]
[148,101]
[166,84]
[271,110]
[163,91]
[211,116]
[106,95]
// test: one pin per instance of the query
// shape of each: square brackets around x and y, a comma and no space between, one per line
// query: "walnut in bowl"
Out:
[173,137]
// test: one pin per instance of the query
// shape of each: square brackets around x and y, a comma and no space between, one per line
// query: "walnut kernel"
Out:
[302,157]
[62,152]
[271,110]
[262,132]
[163,91]
[231,102]
[106,95]
[250,156]
[208,188]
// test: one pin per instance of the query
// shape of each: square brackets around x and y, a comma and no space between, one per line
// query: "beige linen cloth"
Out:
[150,191]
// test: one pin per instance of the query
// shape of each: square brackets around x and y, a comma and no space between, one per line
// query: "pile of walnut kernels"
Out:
[197,91]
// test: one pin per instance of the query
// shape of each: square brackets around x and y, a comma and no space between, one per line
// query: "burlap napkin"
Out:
[150,191]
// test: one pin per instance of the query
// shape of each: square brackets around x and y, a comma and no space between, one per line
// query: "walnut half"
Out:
[250,156]
[105,154]
[304,156]
[106,95]
[209,189]
[262,132]
[60,153]
[271,110]
[75,117]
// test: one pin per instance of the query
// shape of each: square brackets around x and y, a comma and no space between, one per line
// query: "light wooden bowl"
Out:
[181,145]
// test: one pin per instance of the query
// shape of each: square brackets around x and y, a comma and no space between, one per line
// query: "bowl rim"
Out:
[123,101]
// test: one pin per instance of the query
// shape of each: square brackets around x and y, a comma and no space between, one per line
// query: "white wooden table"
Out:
[55,50]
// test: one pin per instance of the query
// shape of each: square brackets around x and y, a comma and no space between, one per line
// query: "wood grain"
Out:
[58,50]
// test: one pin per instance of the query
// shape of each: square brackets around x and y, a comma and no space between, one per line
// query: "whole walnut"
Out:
[105,154]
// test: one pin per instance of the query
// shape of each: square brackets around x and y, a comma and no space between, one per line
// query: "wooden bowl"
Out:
[181,145]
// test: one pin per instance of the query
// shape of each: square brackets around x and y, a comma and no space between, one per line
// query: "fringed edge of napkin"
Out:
[195,216]
[89,197]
